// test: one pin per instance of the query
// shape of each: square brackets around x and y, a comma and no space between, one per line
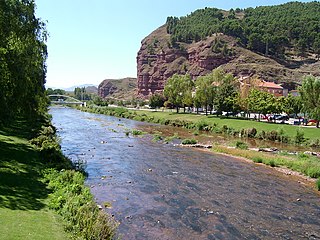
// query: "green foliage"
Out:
[97,100]
[58,91]
[225,93]
[267,29]
[81,94]
[171,138]
[262,102]
[250,132]
[241,145]
[204,92]
[310,96]
[157,137]
[23,55]
[318,184]
[74,202]
[196,133]
[136,132]
[49,148]
[299,137]
[178,90]
[156,101]
[189,141]
[257,159]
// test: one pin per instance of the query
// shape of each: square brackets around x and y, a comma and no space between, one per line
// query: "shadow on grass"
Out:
[20,183]
[20,128]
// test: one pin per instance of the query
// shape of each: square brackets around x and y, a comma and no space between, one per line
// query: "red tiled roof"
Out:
[269,85]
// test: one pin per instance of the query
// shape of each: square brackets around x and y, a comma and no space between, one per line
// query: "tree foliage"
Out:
[226,92]
[156,101]
[178,90]
[267,29]
[204,92]
[310,96]
[23,56]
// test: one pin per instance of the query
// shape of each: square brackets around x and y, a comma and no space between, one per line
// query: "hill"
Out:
[278,43]
[118,88]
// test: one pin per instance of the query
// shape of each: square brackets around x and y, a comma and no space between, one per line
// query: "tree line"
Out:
[221,92]
[23,55]
[267,29]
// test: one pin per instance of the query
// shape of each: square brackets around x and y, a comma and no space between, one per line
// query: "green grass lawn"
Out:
[309,132]
[23,195]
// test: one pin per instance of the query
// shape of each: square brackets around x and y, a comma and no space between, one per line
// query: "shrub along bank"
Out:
[36,176]
[70,197]
[305,164]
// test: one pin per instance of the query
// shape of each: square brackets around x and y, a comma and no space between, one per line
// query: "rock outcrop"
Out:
[158,59]
[118,88]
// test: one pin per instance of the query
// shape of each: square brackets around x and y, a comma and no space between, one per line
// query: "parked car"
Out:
[278,117]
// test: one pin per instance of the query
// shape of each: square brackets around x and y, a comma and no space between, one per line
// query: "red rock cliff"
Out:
[158,60]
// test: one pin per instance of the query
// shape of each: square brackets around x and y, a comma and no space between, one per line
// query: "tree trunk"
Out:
[177,109]
[317,124]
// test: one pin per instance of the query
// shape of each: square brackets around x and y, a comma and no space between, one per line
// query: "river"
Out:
[163,191]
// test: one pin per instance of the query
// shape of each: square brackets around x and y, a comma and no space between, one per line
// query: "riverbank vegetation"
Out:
[36,179]
[302,163]
[238,127]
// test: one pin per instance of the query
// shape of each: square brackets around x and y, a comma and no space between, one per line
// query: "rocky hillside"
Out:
[161,56]
[118,88]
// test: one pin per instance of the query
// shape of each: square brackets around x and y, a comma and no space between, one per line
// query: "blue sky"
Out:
[98,39]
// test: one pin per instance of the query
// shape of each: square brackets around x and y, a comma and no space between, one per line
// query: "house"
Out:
[270,87]
[273,88]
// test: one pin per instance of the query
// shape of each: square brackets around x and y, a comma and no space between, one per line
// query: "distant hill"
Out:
[71,89]
[118,88]
[275,43]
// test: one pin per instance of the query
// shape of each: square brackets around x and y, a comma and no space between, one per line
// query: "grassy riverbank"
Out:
[35,180]
[232,126]
[24,197]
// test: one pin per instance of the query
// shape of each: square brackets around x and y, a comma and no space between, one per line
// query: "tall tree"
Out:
[156,101]
[23,55]
[310,97]
[204,92]
[178,89]
[226,91]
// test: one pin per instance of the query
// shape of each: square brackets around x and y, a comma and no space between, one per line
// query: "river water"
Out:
[163,191]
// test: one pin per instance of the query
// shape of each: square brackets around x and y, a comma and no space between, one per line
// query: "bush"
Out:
[257,159]
[136,132]
[315,143]
[250,132]
[299,138]
[196,133]
[201,125]
[189,141]
[318,184]
[74,202]
[157,137]
[241,145]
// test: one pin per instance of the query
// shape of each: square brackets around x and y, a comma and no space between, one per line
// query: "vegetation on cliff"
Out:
[268,29]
